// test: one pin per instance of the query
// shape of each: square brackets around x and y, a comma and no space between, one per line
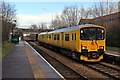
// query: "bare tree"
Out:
[8,11]
[85,13]
[33,26]
[104,8]
[7,16]
[43,25]
[69,17]
[57,22]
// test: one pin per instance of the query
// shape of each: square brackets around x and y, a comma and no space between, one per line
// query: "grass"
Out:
[6,47]
[113,48]
[0,52]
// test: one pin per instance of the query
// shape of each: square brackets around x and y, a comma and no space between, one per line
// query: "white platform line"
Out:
[46,62]
[112,54]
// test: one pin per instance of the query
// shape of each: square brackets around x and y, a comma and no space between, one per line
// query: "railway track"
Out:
[112,59]
[112,72]
[64,70]
[74,71]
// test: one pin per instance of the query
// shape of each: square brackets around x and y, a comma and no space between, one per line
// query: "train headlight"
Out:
[102,31]
[84,47]
[101,47]
[81,31]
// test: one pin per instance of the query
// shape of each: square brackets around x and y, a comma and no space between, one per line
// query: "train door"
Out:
[73,41]
[62,38]
[52,39]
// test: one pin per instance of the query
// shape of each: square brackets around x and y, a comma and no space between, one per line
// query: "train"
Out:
[31,37]
[83,42]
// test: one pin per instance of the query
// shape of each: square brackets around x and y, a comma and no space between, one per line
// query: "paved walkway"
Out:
[24,62]
[15,64]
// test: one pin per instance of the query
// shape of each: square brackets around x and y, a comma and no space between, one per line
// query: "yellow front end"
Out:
[92,44]
[92,50]
[82,57]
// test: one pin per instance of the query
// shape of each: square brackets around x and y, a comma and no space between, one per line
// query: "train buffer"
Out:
[25,62]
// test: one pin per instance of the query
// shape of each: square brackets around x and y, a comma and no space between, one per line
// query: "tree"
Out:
[104,8]
[85,13]
[69,17]
[8,11]
[43,25]
[57,22]
[33,26]
[7,17]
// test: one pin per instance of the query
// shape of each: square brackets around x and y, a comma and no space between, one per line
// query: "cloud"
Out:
[27,20]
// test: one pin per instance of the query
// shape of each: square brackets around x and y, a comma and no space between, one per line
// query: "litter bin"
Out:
[15,39]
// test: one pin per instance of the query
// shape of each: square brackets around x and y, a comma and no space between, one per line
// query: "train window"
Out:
[83,34]
[66,37]
[72,36]
[62,36]
[54,36]
[49,36]
[58,36]
[100,34]
[75,36]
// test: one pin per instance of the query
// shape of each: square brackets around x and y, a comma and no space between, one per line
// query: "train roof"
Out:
[43,32]
[72,28]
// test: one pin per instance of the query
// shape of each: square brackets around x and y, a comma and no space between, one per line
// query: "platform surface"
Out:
[25,62]
[16,64]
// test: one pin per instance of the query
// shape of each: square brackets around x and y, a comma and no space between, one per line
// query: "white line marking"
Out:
[112,54]
[46,62]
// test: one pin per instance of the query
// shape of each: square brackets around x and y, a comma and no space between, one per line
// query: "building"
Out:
[106,20]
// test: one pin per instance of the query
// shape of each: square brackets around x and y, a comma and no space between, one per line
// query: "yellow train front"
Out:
[83,42]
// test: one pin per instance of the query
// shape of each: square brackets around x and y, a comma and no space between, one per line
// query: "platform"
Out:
[113,53]
[25,62]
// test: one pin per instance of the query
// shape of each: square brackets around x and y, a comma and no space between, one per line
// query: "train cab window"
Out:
[54,36]
[83,34]
[92,34]
[100,34]
[66,37]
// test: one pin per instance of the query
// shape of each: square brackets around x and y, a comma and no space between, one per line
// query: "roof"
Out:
[44,33]
[69,28]
[72,28]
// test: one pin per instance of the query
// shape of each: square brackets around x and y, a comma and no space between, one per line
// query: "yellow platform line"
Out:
[37,72]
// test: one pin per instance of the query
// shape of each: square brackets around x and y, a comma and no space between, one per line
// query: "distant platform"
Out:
[113,53]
